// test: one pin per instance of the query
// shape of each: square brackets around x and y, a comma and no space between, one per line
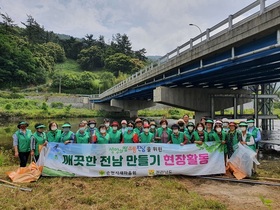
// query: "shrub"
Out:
[8,106]
[57,105]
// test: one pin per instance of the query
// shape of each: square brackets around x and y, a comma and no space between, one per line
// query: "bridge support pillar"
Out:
[131,105]
[201,100]
[199,115]
[133,113]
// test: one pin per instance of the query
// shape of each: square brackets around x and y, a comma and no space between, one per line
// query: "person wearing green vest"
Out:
[21,142]
[146,136]
[82,137]
[189,132]
[54,134]
[163,133]
[181,124]
[115,134]
[102,137]
[153,129]
[220,136]
[209,129]
[107,125]
[255,132]
[177,137]
[247,137]
[233,137]
[138,126]
[67,135]
[130,136]
[38,140]
[225,125]
[200,135]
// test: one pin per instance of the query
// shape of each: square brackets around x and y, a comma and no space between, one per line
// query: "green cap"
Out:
[65,125]
[209,121]
[243,124]
[250,121]
[22,123]
[40,126]
[191,124]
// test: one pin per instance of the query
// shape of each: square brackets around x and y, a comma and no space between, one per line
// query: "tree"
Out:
[72,47]
[55,50]
[91,58]
[122,63]
[140,54]
[121,44]
[8,23]
[34,32]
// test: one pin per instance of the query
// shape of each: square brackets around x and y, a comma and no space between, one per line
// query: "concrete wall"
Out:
[75,101]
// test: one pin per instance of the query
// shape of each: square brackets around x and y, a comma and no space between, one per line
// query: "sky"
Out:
[159,26]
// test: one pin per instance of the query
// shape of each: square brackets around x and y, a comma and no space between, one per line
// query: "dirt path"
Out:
[237,196]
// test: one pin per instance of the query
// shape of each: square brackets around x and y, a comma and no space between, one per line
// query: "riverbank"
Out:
[160,192]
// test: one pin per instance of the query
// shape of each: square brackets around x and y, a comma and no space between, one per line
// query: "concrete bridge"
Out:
[220,68]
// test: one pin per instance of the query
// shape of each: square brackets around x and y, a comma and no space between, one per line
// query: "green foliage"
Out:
[57,105]
[8,106]
[6,157]
[91,58]
[44,106]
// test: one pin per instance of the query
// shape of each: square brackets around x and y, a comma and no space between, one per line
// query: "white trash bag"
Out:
[243,159]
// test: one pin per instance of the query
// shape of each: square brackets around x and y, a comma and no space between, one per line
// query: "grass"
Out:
[69,66]
[106,193]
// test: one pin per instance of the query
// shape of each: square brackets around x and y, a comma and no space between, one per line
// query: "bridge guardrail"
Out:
[222,27]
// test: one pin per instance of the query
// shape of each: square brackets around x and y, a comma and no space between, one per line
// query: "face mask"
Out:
[102,131]
[107,124]
[124,125]
[250,124]
[218,130]
[115,128]
[163,126]
[190,128]
[54,128]
[200,128]
[175,131]
[153,127]
[66,129]
[129,128]
[243,128]
[146,130]
[92,125]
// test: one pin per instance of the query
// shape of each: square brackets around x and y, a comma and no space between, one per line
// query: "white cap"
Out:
[225,120]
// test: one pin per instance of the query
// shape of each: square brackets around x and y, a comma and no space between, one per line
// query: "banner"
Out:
[130,160]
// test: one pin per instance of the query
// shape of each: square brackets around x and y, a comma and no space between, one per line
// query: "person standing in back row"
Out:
[21,142]
[38,140]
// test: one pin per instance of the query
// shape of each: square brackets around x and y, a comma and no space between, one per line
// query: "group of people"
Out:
[183,132]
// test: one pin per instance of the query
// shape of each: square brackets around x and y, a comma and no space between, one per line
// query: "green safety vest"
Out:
[54,136]
[254,132]
[138,131]
[128,137]
[160,131]
[146,138]
[217,138]
[190,136]
[177,139]
[66,137]
[82,138]
[40,139]
[24,140]
[235,138]
[103,139]
[210,135]
[115,137]
[248,136]
[197,138]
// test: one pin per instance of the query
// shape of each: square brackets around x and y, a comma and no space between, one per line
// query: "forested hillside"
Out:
[30,57]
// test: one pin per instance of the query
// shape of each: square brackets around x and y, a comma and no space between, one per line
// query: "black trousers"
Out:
[23,158]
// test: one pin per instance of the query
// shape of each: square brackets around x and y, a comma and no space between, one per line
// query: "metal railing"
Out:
[217,30]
